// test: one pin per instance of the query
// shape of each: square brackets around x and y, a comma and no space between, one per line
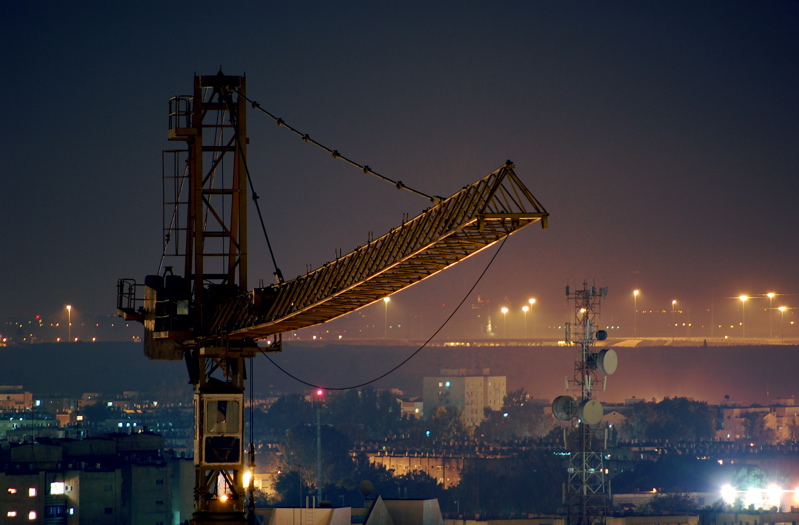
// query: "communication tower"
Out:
[586,497]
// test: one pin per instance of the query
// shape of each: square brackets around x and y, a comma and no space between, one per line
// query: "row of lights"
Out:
[525,309]
[742,298]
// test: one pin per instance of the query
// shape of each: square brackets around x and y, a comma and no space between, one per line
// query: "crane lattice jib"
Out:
[473,219]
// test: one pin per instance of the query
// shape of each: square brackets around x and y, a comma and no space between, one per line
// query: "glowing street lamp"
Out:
[505,321]
[770,296]
[385,325]
[69,323]
[635,312]
[532,302]
[782,322]
[524,309]
[673,303]
[743,299]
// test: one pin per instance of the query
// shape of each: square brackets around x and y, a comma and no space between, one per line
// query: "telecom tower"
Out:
[586,497]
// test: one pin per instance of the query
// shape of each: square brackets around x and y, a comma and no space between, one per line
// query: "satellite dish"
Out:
[607,361]
[590,411]
[601,335]
[563,407]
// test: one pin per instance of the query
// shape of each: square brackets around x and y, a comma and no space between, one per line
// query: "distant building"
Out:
[445,469]
[470,390]
[413,408]
[116,478]
[14,397]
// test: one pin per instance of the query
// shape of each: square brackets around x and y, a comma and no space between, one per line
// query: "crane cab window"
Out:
[222,416]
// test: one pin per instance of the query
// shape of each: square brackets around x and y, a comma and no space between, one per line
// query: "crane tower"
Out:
[201,310]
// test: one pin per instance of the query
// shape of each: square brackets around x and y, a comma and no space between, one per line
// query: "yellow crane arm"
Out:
[473,219]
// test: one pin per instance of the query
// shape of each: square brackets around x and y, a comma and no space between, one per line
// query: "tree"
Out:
[517,419]
[445,423]
[674,419]
[670,503]
[365,413]
[291,487]
[530,484]
[299,453]
[287,412]
[754,424]
[672,472]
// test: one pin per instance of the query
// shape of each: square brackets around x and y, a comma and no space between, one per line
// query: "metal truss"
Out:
[471,220]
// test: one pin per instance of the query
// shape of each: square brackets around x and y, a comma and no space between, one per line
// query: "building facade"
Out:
[470,390]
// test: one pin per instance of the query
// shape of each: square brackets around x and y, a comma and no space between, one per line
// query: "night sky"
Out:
[662,138]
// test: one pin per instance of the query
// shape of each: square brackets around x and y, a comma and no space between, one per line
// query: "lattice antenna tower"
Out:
[586,497]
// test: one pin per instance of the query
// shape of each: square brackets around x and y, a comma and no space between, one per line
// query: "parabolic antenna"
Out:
[563,407]
[590,411]
[607,360]
[601,335]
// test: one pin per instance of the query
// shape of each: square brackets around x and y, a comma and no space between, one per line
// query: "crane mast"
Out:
[208,317]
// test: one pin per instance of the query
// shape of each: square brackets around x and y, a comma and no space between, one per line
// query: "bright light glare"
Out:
[774,494]
[754,497]
[223,497]
[247,478]
[728,494]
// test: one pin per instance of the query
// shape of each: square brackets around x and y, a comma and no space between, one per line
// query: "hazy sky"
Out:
[662,137]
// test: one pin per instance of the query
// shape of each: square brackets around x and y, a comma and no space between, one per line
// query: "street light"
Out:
[532,302]
[673,302]
[505,322]
[635,313]
[524,309]
[770,296]
[782,322]
[69,323]
[743,299]
[385,325]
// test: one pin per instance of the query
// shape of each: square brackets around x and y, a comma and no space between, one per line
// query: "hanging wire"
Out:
[416,352]
[278,274]
[336,155]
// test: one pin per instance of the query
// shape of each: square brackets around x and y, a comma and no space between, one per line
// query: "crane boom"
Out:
[473,219]
[212,319]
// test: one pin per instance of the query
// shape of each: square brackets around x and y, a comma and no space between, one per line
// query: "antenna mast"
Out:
[586,497]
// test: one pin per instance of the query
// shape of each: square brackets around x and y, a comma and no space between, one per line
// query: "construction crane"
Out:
[209,317]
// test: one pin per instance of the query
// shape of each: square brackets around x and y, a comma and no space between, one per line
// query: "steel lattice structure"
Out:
[586,494]
[460,226]
[210,318]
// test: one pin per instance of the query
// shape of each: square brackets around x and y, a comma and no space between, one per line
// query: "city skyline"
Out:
[769,319]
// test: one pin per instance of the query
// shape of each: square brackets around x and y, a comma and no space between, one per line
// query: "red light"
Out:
[320,392]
